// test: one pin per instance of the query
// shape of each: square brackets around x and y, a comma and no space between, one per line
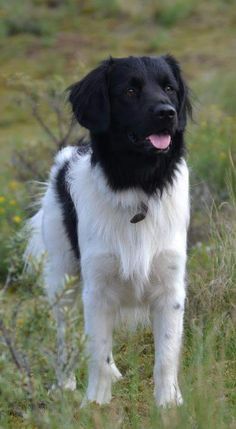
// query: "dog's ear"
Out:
[90,100]
[185,107]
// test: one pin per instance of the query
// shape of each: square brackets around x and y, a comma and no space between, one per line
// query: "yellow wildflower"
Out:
[16,219]
[2,199]
[13,184]
[223,155]
[20,322]
[12,202]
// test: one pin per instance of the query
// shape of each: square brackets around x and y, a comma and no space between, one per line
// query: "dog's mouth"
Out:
[161,141]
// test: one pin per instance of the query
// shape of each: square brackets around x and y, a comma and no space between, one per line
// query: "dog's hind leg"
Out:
[60,262]
[48,243]
[55,283]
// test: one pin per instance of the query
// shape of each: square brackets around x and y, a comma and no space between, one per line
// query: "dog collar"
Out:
[142,213]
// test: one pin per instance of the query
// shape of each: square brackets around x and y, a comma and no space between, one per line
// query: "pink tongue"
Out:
[159,141]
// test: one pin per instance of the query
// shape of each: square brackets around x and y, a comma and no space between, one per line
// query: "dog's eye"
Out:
[169,89]
[131,92]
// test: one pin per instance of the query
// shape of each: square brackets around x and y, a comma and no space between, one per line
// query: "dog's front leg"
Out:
[167,318]
[99,322]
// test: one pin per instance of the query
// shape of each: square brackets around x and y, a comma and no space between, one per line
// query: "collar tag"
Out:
[142,212]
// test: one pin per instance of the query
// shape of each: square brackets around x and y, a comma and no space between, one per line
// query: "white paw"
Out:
[116,375]
[99,386]
[68,383]
[101,378]
[98,398]
[168,395]
[102,395]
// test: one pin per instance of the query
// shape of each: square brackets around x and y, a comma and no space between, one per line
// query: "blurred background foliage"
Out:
[45,46]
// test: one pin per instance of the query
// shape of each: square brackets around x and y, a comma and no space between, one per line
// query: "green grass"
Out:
[169,13]
[208,367]
[213,149]
[45,46]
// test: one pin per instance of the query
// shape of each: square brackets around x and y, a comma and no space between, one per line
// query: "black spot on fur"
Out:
[173,267]
[68,209]
[177,306]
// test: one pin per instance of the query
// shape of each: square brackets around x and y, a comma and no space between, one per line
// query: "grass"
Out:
[213,149]
[169,13]
[45,46]
[208,369]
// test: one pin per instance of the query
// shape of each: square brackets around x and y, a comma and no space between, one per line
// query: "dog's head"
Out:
[140,101]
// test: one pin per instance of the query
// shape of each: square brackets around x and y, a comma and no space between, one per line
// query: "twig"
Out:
[30,384]
[42,123]
[7,283]
[59,116]
[27,164]
[25,371]
[13,353]
[65,139]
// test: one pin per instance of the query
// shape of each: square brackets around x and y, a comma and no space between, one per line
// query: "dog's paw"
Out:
[101,394]
[116,375]
[68,383]
[168,396]
[99,386]
[100,398]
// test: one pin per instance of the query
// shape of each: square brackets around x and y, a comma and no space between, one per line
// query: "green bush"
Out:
[212,149]
[169,13]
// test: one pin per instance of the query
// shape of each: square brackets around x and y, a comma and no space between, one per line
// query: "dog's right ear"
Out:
[90,100]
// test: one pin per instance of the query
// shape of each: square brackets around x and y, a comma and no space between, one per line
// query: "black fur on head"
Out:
[184,102]
[90,99]
[133,107]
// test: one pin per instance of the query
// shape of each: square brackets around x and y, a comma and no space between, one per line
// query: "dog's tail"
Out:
[35,249]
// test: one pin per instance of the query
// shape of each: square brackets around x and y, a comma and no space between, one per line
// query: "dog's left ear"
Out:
[90,100]
[185,107]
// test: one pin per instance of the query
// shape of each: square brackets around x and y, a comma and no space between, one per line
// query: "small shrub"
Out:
[158,42]
[169,13]
[212,266]
[212,148]
[46,103]
[22,25]
[104,8]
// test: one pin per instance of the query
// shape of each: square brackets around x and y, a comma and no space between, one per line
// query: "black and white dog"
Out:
[119,210]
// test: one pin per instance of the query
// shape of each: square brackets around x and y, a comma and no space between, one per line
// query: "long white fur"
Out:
[127,269]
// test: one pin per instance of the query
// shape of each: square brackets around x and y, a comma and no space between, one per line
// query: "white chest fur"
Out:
[105,231]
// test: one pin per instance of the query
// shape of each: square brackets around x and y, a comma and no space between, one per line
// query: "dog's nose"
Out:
[164,111]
